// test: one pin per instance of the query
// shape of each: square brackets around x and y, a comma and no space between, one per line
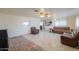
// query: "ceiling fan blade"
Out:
[36,11]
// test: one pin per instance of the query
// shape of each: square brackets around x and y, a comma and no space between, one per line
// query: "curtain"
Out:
[61,22]
[77,23]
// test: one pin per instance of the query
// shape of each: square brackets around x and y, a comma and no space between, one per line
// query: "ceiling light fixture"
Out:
[43,14]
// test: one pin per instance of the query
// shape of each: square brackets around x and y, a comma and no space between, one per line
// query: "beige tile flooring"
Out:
[47,41]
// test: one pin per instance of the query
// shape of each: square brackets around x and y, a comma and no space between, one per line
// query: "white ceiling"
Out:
[60,12]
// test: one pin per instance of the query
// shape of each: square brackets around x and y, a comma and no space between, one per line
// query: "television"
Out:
[3,40]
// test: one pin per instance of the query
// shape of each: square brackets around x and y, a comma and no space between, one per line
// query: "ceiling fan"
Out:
[41,9]
[44,14]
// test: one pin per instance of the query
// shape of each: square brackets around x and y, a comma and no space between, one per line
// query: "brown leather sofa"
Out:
[34,30]
[67,39]
[60,30]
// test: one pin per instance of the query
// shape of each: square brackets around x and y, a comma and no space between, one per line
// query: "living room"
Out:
[39,29]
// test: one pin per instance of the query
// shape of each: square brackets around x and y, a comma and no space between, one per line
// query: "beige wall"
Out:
[15,26]
[71,20]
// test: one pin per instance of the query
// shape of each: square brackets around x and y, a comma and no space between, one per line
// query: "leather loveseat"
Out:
[68,39]
[60,30]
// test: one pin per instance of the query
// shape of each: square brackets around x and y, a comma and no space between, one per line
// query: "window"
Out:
[41,23]
[61,22]
[26,23]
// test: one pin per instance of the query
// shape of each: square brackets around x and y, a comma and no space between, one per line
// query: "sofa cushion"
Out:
[75,34]
[67,35]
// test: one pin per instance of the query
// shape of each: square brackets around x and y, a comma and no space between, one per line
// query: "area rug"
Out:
[22,44]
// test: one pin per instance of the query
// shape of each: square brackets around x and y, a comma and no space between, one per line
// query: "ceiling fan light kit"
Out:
[43,14]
